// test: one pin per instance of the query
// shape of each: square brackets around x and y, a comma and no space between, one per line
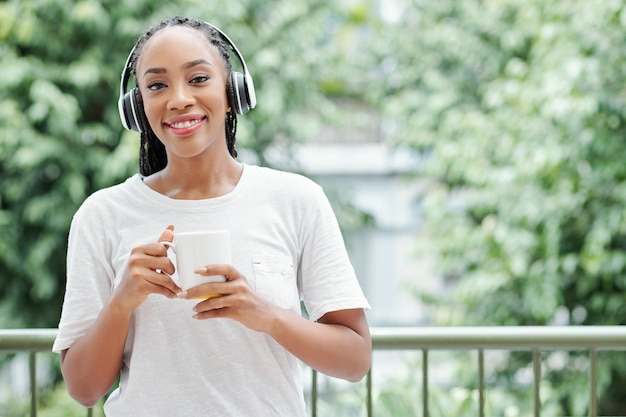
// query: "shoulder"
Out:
[113,191]
[109,198]
[291,194]
[283,181]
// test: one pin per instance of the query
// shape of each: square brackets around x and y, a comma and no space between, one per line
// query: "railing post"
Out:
[425,381]
[313,393]
[368,382]
[32,370]
[537,380]
[593,382]
[481,382]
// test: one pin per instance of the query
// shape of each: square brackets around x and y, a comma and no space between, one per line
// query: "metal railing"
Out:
[424,339]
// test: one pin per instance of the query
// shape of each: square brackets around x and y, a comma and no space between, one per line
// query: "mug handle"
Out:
[168,244]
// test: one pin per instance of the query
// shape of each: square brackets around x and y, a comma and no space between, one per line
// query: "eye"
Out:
[157,85]
[199,79]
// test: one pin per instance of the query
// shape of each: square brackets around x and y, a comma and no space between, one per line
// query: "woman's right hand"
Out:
[92,364]
[147,273]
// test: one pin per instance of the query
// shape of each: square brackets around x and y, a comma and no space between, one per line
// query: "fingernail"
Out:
[202,270]
[182,294]
[171,227]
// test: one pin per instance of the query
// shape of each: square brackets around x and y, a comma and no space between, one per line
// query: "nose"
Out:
[180,97]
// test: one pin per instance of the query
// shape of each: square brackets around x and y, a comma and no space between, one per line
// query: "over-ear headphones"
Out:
[240,91]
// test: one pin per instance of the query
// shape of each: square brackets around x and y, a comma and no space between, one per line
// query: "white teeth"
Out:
[185,125]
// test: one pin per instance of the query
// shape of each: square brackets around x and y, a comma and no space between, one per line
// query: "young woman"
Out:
[123,316]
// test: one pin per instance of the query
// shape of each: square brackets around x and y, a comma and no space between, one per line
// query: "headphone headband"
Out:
[240,90]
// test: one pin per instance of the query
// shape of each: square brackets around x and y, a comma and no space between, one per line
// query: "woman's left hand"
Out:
[237,300]
[338,343]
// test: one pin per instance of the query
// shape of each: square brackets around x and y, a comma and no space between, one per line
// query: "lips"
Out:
[183,125]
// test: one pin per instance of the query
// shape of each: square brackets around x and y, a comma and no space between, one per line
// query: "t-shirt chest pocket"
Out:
[275,281]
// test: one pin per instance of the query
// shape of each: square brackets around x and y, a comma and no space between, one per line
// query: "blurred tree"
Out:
[519,105]
[61,138]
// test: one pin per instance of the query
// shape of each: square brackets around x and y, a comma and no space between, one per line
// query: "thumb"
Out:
[167,235]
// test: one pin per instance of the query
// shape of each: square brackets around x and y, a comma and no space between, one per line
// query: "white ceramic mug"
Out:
[194,250]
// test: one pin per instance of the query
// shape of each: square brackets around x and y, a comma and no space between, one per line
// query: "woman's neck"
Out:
[196,181]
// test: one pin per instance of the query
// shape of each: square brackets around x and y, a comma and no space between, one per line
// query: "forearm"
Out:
[331,348]
[92,364]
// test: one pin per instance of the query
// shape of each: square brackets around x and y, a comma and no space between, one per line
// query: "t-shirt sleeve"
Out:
[326,276]
[90,276]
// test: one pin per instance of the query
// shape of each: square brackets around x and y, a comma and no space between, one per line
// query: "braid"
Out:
[152,155]
[231,129]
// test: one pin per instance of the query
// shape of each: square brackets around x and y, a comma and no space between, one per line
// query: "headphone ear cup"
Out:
[131,111]
[238,92]
[125,110]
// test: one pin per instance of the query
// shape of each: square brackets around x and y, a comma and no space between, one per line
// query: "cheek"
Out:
[150,110]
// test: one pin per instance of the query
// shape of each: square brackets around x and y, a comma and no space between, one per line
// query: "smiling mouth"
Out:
[186,124]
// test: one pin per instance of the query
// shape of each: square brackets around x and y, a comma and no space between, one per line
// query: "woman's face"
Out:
[182,81]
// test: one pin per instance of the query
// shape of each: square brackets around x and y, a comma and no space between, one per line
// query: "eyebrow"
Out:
[187,65]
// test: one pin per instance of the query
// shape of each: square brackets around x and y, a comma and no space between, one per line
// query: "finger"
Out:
[211,314]
[225,270]
[167,235]
[159,250]
[155,249]
[160,289]
[205,307]
[222,272]
[163,265]
[164,281]
[206,291]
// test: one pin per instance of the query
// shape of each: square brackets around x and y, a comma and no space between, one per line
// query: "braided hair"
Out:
[152,155]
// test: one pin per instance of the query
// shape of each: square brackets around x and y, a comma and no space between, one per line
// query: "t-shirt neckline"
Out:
[149,193]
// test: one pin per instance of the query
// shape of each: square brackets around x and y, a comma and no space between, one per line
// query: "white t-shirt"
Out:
[285,240]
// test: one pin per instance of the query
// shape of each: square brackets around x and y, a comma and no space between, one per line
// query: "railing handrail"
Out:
[424,337]
[500,337]
[27,340]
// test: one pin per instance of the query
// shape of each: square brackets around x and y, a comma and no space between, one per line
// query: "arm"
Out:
[91,365]
[338,344]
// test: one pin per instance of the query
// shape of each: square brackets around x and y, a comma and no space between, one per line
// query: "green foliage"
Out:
[521,113]
[56,140]
[519,106]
